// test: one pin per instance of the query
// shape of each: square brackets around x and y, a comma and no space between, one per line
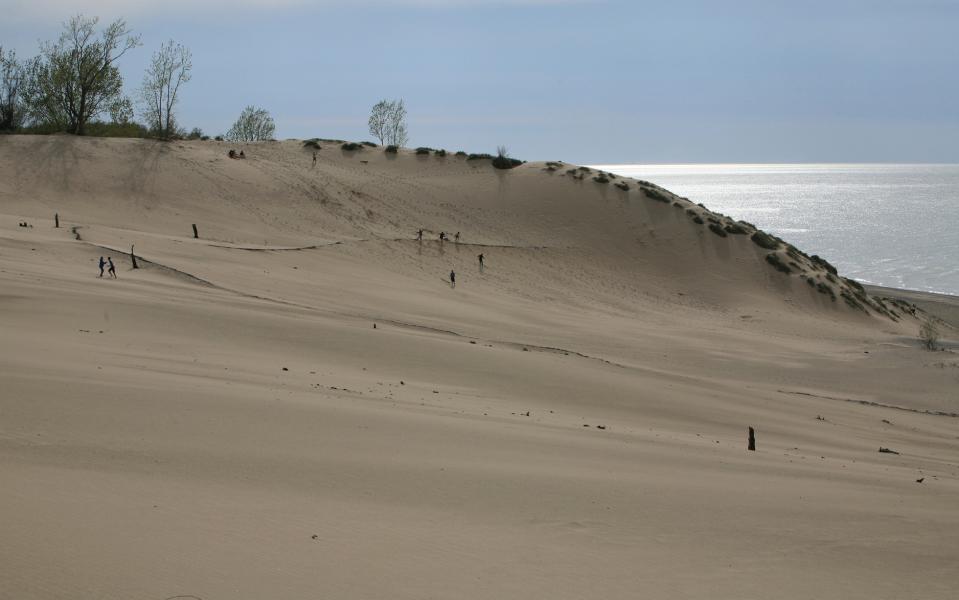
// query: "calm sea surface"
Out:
[891,225]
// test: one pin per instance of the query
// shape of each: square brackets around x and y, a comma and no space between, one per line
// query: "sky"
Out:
[586,81]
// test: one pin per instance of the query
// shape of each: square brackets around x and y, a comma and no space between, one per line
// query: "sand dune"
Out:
[569,422]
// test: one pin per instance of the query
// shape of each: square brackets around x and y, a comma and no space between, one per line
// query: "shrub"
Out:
[654,194]
[391,149]
[506,163]
[855,284]
[585,169]
[313,143]
[440,152]
[460,153]
[822,288]
[601,179]
[717,230]
[822,262]
[735,229]
[218,138]
[764,240]
[853,302]
[370,144]
[677,205]
[554,164]
[929,334]
[423,150]
[479,157]
[698,220]
[351,146]
[773,259]
[503,160]
[622,185]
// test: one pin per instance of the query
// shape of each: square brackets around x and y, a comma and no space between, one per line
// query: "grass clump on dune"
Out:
[460,153]
[479,156]
[822,262]
[654,194]
[440,152]
[822,288]
[601,178]
[622,185]
[312,143]
[735,229]
[422,150]
[391,149]
[370,144]
[777,263]
[351,146]
[717,229]
[764,240]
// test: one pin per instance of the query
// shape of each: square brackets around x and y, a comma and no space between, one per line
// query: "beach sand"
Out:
[571,422]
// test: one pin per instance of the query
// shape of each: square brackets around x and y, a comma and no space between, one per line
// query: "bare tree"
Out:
[388,122]
[77,78]
[169,69]
[11,90]
[253,125]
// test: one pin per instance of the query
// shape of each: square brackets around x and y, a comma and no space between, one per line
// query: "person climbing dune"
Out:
[103,263]
[112,270]
[452,279]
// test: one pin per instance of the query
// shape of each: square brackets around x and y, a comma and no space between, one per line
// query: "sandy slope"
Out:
[226,422]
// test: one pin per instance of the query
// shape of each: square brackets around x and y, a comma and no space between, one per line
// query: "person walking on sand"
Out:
[456,238]
[442,236]
[314,158]
[103,263]
[419,235]
[112,270]
[480,258]
[453,279]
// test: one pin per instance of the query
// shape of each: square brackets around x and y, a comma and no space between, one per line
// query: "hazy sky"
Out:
[584,81]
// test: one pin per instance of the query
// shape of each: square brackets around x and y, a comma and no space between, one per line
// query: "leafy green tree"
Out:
[77,78]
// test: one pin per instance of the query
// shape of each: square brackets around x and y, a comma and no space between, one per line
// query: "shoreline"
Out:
[943,306]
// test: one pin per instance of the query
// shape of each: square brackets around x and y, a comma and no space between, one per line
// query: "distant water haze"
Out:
[885,224]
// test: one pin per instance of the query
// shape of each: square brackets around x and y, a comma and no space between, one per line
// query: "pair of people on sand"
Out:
[112,271]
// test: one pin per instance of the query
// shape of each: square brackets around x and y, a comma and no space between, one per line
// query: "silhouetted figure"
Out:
[419,235]
[442,236]
[453,279]
[103,263]
[456,238]
[112,270]
[314,158]
[242,155]
[232,153]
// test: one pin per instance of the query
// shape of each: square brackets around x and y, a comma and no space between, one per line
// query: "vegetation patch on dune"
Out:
[312,143]
[717,229]
[391,149]
[777,263]
[822,262]
[735,229]
[601,178]
[351,146]
[654,193]
[423,150]
[622,185]
[764,240]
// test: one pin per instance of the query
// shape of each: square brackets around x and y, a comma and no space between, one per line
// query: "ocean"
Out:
[884,224]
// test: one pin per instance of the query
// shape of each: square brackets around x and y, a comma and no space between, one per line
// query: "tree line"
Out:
[75,81]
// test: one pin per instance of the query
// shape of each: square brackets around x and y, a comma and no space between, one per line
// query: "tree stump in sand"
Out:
[195,234]
[752,440]
[133,257]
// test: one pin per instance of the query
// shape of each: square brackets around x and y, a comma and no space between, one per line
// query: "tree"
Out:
[169,69]
[11,91]
[253,125]
[388,122]
[77,78]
